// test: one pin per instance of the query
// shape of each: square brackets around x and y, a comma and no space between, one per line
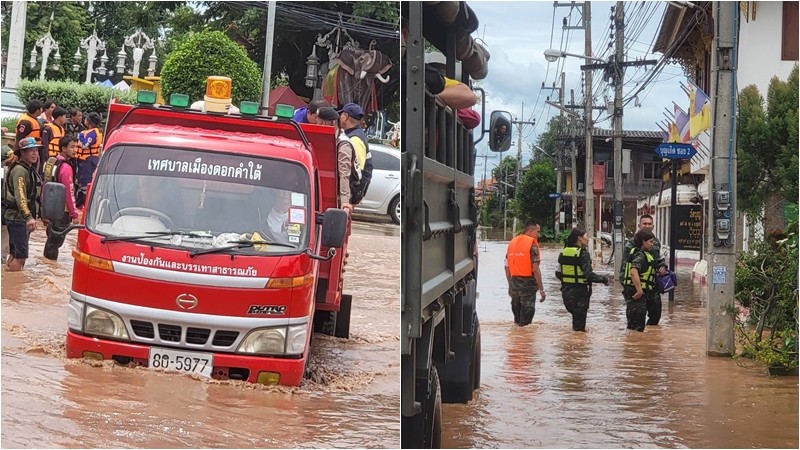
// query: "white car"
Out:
[383,194]
[10,106]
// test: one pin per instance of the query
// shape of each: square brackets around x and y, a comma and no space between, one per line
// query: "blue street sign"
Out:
[676,151]
[554,195]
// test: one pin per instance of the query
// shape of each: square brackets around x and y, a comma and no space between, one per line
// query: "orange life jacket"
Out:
[519,255]
[36,131]
[94,138]
[56,133]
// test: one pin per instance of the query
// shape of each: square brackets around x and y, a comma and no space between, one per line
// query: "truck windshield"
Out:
[200,200]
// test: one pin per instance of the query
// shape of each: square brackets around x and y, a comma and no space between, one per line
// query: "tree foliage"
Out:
[767,145]
[532,202]
[210,53]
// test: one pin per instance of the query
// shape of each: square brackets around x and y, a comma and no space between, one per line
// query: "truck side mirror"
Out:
[53,201]
[334,228]
[499,132]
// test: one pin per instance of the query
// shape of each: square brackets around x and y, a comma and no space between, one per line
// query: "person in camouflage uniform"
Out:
[638,281]
[576,275]
[653,301]
[523,256]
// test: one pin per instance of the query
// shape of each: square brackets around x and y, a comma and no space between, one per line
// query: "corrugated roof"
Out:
[601,132]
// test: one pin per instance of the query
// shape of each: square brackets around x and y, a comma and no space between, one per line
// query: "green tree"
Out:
[533,202]
[205,54]
[767,149]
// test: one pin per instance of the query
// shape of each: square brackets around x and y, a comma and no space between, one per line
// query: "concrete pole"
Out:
[559,169]
[619,24]
[16,44]
[268,57]
[722,252]
[574,178]
[588,209]
[519,162]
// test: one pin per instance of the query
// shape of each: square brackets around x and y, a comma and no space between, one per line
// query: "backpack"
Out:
[667,282]
[51,167]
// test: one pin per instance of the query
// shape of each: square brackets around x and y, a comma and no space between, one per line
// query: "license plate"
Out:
[181,361]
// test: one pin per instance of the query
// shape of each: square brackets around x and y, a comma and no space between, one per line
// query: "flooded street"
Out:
[546,386]
[352,398]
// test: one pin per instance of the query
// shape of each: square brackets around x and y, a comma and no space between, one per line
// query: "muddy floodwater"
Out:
[350,399]
[545,385]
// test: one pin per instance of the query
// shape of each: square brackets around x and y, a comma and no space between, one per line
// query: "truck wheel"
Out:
[342,329]
[459,376]
[425,429]
[394,210]
[476,358]
[325,322]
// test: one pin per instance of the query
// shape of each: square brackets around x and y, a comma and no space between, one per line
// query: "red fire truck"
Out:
[209,241]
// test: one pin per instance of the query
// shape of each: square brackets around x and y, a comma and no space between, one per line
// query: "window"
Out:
[789,45]
[384,161]
[610,168]
[651,170]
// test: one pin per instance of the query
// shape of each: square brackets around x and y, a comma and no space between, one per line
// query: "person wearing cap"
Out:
[350,116]
[28,125]
[308,114]
[91,141]
[345,155]
[64,174]
[20,194]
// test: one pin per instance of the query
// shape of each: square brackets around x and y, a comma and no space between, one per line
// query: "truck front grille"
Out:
[224,338]
[170,333]
[175,333]
[143,329]
[197,336]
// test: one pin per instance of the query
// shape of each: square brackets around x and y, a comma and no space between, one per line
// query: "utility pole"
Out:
[722,187]
[619,204]
[519,124]
[588,207]
[574,177]
[559,152]
[268,57]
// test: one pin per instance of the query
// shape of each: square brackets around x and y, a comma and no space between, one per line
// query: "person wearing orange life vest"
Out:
[523,265]
[28,124]
[52,133]
[91,142]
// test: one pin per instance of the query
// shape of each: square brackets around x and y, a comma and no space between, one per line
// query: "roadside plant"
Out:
[766,287]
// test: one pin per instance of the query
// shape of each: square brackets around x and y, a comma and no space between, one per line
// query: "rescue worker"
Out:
[523,264]
[20,194]
[9,158]
[654,301]
[64,173]
[52,132]
[639,279]
[308,114]
[350,116]
[75,124]
[345,156]
[576,275]
[28,125]
[91,141]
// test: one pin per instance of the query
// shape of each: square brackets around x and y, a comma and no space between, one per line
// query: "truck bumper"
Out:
[291,370]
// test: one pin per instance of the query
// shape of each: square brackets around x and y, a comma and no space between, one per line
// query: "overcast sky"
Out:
[518,33]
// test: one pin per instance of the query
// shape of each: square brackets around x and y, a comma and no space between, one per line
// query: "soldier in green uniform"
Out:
[638,281]
[576,275]
[654,301]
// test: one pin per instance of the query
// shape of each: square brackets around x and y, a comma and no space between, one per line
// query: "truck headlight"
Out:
[296,339]
[271,341]
[100,322]
[75,315]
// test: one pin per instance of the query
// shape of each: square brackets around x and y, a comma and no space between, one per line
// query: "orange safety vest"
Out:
[519,255]
[56,133]
[94,148]
[36,131]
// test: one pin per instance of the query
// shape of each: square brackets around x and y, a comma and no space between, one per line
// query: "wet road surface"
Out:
[350,400]
[545,385]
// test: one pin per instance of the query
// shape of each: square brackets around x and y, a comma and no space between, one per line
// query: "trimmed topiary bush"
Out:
[206,54]
[69,94]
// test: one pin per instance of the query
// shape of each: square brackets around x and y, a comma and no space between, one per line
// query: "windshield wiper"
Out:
[238,244]
[151,234]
